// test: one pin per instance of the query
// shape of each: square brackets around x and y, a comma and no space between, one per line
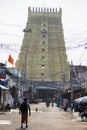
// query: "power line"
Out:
[10,35]
[10,47]
[80,34]
[12,25]
[79,38]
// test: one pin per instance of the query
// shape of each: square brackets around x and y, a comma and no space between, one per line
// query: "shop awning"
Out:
[3,87]
[45,87]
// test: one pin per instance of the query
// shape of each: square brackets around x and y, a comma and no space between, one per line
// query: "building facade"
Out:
[43,52]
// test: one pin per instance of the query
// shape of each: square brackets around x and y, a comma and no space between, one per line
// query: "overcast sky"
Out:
[13,18]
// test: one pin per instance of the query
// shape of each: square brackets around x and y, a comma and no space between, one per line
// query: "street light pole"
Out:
[32,89]
[26,49]
[71,83]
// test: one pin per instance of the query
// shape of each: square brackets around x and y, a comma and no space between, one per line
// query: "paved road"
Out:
[44,119]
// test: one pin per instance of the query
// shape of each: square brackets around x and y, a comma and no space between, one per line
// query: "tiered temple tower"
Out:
[43,53]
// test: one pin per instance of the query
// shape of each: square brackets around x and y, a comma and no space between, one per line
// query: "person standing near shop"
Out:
[24,110]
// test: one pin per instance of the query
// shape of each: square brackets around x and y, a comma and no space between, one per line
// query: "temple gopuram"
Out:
[43,57]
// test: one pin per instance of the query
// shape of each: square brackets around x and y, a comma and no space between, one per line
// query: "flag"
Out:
[10,59]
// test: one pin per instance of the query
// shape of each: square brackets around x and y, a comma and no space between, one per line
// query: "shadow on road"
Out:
[22,129]
[4,113]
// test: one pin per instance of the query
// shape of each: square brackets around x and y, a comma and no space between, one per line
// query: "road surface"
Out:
[51,118]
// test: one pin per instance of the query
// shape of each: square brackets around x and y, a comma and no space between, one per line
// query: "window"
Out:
[44,19]
[42,58]
[44,25]
[43,42]
[43,49]
[42,66]
[42,75]
[44,29]
[43,35]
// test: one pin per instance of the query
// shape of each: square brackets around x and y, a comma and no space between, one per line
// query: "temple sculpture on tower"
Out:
[43,53]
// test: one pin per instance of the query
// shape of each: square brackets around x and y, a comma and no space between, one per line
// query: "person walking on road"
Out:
[24,110]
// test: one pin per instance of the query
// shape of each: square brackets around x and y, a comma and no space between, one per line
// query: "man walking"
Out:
[23,110]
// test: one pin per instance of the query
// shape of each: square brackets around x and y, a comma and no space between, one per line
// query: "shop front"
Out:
[3,96]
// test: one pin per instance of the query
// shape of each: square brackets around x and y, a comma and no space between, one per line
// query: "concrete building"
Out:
[11,87]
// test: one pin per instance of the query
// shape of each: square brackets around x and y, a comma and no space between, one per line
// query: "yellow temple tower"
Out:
[43,52]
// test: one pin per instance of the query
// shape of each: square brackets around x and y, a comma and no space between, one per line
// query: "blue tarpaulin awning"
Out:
[3,87]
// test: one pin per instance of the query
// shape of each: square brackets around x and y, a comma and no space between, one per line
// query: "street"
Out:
[51,118]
